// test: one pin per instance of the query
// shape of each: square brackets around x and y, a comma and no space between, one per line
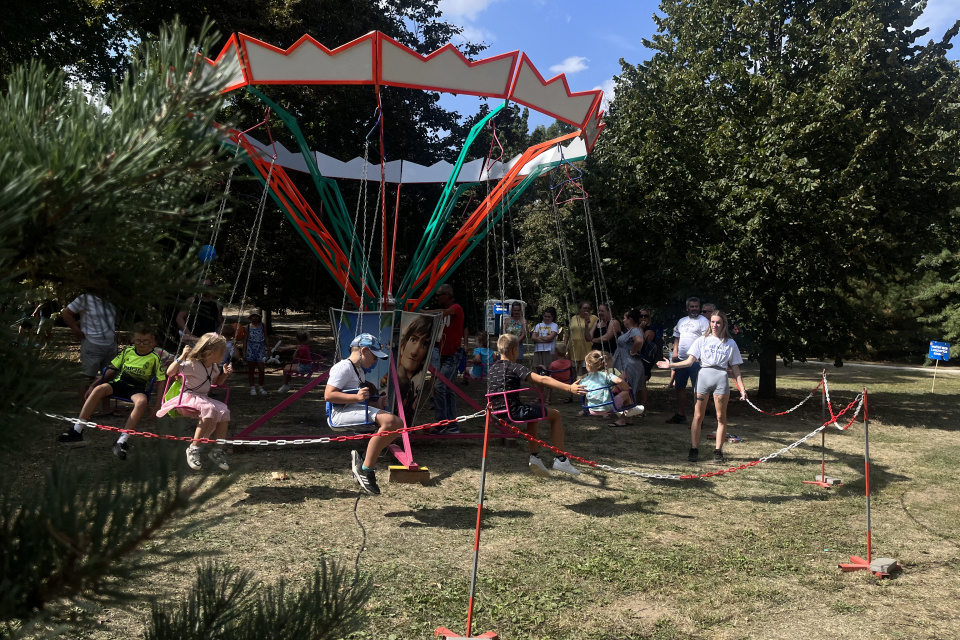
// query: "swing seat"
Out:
[568,370]
[369,426]
[179,410]
[506,410]
[148,390]
[612,402]
[315,366]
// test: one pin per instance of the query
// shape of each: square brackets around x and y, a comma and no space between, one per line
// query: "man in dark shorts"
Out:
[507,375]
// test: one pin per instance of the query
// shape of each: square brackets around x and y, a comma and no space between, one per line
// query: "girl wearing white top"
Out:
[716,351]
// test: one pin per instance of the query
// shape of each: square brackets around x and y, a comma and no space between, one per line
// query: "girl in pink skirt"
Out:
[200,366]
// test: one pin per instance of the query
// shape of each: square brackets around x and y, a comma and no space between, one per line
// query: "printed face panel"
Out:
[418,336]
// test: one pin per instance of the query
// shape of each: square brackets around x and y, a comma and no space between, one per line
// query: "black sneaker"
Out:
[447,429]
[366,479]
[718,456]
[694,455]
[120,450]
[71,436]
[677,419]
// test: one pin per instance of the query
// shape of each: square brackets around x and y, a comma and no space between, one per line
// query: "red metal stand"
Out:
[822,482]
[443,631]
[856,562]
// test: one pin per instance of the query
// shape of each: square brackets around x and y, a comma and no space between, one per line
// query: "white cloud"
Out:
[609,88]
[468,9]
[938,16]
[570,65]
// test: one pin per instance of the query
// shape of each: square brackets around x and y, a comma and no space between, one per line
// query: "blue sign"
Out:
[939,351]
[500,309]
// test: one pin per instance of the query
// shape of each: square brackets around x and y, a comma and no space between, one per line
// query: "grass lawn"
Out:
[752,554]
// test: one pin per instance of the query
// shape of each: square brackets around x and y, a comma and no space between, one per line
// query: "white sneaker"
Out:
[566,466]
[284,389]
[219,458]
[636,410]
[193,458]
[262,391]
[253,391]
[536,466]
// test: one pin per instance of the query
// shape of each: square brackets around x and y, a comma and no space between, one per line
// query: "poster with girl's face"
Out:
[418,334]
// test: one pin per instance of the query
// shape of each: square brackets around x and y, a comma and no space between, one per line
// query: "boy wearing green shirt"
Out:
[129,376]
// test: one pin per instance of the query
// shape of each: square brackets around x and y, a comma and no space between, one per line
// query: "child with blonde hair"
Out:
[200,367]
[506,374]
[601,383]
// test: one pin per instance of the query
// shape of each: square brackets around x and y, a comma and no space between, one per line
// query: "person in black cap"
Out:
[349,397]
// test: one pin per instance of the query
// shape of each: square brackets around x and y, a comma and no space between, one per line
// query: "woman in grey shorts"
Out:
[716,351]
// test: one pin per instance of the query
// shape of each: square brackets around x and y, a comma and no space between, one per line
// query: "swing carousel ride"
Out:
[341,242]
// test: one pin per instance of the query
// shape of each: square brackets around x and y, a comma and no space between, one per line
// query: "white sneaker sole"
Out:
[539,471]
[573,471]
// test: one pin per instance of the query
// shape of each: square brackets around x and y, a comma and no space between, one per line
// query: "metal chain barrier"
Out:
[296,441]
[834,421]
[858,402]
[823,382]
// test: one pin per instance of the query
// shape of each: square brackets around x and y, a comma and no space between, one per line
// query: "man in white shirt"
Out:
[688,329]
[97,335]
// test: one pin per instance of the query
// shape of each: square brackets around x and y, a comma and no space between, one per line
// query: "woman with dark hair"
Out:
[602,334]
[411,358]
[716,351]
[627,357]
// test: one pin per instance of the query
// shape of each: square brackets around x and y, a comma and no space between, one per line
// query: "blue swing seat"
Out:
[370,426]
[612,402]
[148,390]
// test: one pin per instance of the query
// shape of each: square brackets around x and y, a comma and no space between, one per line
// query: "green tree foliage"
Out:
[79,35]
[792,153]
[104,196]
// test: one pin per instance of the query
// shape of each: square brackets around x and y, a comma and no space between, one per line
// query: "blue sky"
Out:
[587,39]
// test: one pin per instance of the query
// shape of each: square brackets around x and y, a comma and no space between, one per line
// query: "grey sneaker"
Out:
[366,479]
[194,459]
[718,456]
[219,458]
[120,450]
[694,455]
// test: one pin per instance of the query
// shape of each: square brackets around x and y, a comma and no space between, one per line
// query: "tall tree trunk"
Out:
[768,370]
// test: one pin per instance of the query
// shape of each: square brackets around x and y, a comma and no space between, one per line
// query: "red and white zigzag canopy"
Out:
[377,59]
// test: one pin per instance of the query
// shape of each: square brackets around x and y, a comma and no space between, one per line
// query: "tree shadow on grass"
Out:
[454,517]
[271,494]
[609,507]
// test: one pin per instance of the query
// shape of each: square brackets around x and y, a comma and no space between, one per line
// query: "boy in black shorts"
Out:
[507,375]
[128,375]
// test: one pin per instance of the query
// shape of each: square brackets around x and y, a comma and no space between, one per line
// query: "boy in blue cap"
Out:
[347,394]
